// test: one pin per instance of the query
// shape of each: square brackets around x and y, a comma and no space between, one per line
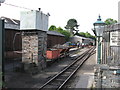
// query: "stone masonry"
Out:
[34,49]
[106,76]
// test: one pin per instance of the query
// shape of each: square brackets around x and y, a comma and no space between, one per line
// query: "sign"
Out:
[115,38]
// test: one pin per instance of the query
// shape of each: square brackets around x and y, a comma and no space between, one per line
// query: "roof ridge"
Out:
[9,18]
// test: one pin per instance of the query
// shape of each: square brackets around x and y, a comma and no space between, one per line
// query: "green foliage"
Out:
[82,34]
[67,34]
[71,25]
[52,28]
[60,30]
[87,35]
[64,32]
[110,21]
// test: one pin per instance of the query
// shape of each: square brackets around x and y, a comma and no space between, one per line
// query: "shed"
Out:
[54,38]
[13,41]
[12,34]
[81,39]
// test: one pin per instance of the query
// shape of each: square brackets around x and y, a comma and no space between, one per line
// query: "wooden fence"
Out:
[111,45]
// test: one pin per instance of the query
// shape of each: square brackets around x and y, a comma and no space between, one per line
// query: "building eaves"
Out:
[55,33]
[12,26]
[11,23]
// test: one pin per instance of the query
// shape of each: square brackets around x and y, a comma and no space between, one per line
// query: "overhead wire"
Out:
[20,7]
[17,6]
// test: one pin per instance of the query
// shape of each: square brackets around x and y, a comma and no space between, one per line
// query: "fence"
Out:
[111,45]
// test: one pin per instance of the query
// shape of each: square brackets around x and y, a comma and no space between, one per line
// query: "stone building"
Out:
[34,27]
[13,38]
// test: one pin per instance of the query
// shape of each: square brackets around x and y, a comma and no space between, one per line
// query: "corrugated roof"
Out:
[55,33]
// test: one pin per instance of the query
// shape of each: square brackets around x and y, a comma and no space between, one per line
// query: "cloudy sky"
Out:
[84,11]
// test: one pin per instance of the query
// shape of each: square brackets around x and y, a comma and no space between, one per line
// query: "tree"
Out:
[52,28]
[88,35]
[110,21]
[71,25]
[60,30]
[67,34]
[82,34]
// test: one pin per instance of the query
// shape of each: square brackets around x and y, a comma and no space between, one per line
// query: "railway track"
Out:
[59,80]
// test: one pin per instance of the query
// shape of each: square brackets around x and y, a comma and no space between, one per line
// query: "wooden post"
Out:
[2,53]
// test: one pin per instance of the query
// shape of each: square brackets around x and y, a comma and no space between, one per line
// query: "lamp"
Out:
[99,27]
[98,30]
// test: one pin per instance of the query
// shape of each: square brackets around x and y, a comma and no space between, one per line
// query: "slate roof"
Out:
[15,24]
[11,23]
[80,37]
[55,33]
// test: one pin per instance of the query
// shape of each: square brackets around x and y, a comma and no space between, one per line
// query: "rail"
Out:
[59,80]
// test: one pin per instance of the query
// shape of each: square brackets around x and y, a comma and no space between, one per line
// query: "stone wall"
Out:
[34,49]
[106,76]
[42,47]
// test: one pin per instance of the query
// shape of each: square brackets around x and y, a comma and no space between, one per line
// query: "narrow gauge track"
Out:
[59,80]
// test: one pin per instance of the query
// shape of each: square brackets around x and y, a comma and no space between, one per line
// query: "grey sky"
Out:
[84,11]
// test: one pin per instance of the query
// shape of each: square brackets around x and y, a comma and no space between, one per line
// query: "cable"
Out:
[17,6]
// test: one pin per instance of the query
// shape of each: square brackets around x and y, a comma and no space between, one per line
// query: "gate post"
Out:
[1,53]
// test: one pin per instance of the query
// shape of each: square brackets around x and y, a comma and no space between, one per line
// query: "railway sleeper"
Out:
[53,84]
[62,77]
[71,69]
[61,80]
[50,87]
[75,65]
[56,83]
[66,73]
